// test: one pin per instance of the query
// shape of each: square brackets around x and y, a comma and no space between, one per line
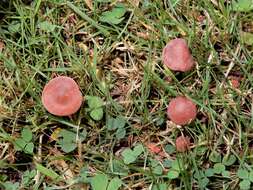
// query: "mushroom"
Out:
[176,55]
[182,143]
[181,110]
[61,96]
[235,82]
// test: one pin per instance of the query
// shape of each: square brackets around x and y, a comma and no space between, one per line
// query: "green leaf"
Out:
[199,174]
[128,156]
[110,125]
[47,26]
[120,133]
[14,27]
[201,150]
[115,16]
[119,167]
[167,163]
[26,134]
[251,175]
[158,170]
[138,149]
[82,135]
[111,19]
[27,177]
[67,146]
[3,177]
[94,102]
[84,175]
[87,18]
[159,121]
[68,140]
[209,172]
[242,5]
[97,114]
[243,174]
[228,160]
[215,157]
[162,186]
[177,165]
[99,182]
[114,184]
[172,174]
[67,135]
[204,182]
[29,148]
[19,144]
[219,168]
[156,167]
[119,10]
[247,38]
[47,172]
[10,185]
[226,174]
[115,123]
[10,64]
[170,149]
[244,184]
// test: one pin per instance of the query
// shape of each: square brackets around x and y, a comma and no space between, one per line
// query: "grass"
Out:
[121,64]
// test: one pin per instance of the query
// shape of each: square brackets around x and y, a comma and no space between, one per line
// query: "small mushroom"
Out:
[235,82]
[61,96]
[176,55]
[182,143]
[181,110]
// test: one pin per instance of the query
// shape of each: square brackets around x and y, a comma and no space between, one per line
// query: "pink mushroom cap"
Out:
[176,55]
[61,96]
[181,110]
[182,143]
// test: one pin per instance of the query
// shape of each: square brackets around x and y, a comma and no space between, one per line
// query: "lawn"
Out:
[121,137]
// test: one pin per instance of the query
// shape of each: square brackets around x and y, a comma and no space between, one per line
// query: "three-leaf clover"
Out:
[130,156]
[246,178]
[24,142]
[47,26]
[176,167]
[229,160]
[215,157]
[117,123]
[242,5]
[101,182]
[27,177]
[156,167]
[95,104]
[201,176]
[67,139]
[115,16]
[10,185]
[219,168]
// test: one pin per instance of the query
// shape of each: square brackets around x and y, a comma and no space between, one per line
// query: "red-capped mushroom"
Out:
[181,110]
[235,82]
[61,96]
[176,55]
[182,143]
